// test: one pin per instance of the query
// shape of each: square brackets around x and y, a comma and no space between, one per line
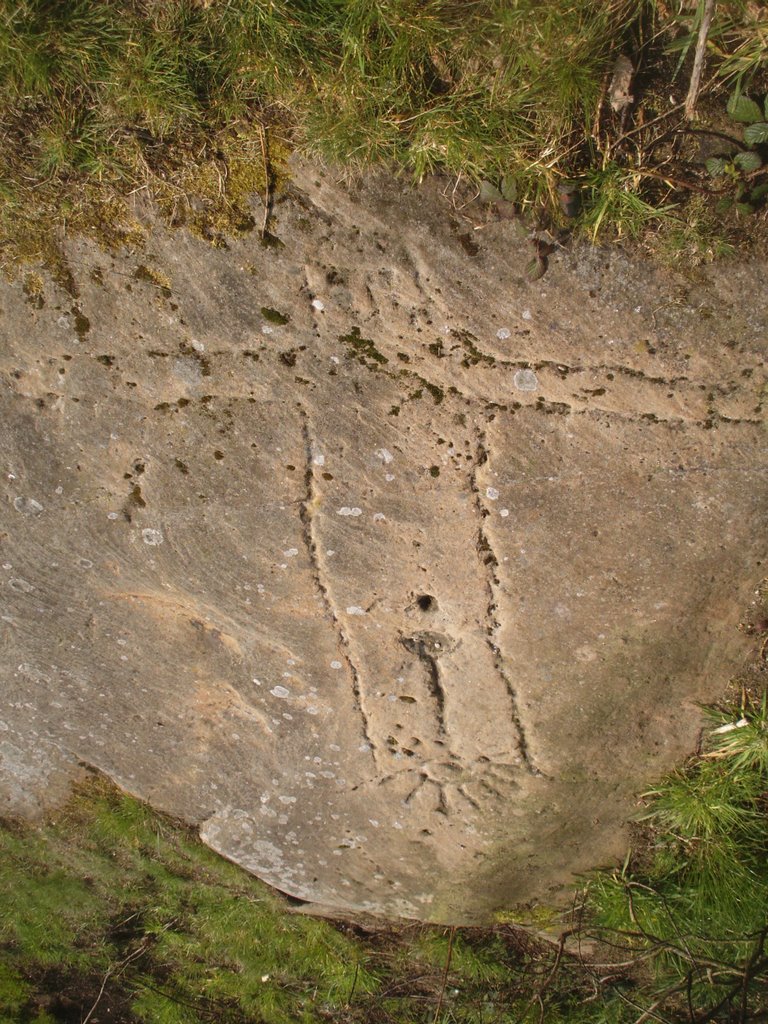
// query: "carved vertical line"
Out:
[306,515]
[492,625]
[417,645]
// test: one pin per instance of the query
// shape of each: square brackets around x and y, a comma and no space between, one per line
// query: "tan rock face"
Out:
[397,573]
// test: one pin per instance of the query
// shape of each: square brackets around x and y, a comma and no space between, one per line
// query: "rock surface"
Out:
[395,572]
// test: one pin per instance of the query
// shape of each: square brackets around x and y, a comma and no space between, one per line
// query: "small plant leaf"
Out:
[742,108]
[535,269]
[489,193]
[758,192]
[755,134]
[509,188]
[748,161]
[715,166]
[745,209]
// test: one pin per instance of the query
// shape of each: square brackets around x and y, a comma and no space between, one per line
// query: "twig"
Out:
[689,996]
[647,124]
[709,131]
[98,997]
[598,108]
[759,946]
[698,60]
[650,1012]
[677,182]
[114,969]
[750,972]
[550,975]
[636,1006]
[354,983]
[267,190]
[439,1006]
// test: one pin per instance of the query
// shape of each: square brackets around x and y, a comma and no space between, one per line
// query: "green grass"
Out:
[695,907]
[116,905]
[114,889]
[183,99]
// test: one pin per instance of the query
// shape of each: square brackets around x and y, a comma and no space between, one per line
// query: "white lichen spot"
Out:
[526,380]
[355,609]
[280,691]
[21,586]
[379,517]
[27,506]
[318,305]
[198,346]
[503,333]
[389,477]
[527,315]
[319,460]
[335,664]
[291,552]
[112,515]
[503,512]
[266,329]
[385,455]
[346,511]
[287,799]
[152,537]
[491,493]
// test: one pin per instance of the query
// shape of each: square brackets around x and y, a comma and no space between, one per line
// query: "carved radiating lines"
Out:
[306,513]
[449,781]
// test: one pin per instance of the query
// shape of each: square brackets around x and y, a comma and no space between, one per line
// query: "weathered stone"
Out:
[395,572]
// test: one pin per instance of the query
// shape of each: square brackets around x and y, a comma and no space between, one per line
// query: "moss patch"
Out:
[363,348]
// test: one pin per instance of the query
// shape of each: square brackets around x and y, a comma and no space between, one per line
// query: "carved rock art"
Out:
[395,572]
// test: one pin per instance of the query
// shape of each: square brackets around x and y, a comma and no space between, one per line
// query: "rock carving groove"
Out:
[427,647]
[306,514]
[491,563]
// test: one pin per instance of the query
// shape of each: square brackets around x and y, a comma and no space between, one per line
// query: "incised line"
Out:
[491,563]
[419,646]
[306,507]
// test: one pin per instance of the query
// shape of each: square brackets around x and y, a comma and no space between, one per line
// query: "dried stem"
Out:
[698,60]
[267,190]
[445,975]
